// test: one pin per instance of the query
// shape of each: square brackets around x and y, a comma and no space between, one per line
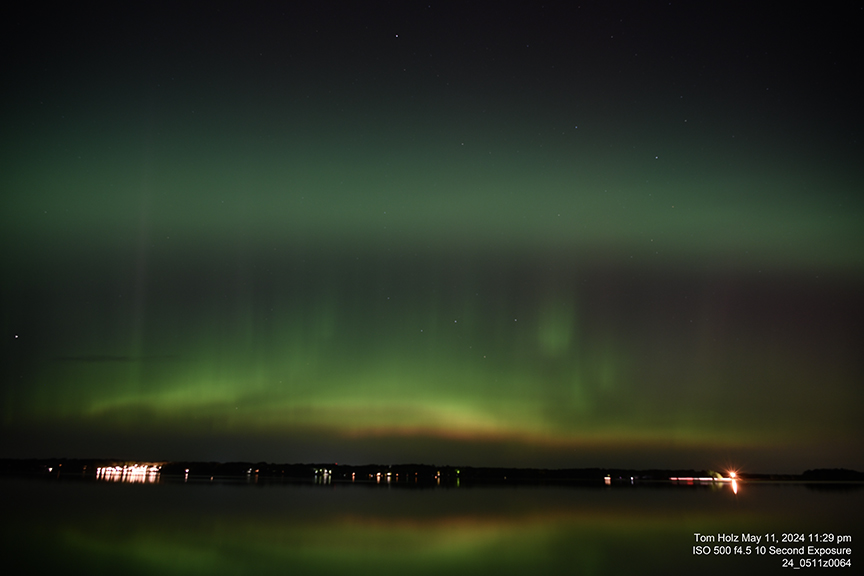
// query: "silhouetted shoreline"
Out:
[422,474]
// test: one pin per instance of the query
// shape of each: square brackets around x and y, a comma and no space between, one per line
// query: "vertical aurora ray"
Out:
[474,349]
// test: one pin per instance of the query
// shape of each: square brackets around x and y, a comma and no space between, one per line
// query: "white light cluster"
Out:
[129,473]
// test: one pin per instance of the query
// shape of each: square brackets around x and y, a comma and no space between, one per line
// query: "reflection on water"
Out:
[224,528]
[713,481]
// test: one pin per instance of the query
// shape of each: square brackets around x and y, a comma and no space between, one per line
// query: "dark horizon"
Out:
[54,467]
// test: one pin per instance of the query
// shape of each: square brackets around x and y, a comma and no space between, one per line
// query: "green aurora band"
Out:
[587,316]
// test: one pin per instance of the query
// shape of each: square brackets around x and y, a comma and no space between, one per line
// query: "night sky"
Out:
[618,234]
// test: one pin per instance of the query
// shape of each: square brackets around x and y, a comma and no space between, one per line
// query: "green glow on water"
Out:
[588,543]
[236,529]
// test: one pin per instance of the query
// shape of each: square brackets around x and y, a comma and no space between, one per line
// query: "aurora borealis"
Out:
[626,235]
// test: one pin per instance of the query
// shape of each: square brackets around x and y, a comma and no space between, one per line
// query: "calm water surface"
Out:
[87,527]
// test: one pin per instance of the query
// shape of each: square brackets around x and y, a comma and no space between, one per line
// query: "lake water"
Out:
[89,527]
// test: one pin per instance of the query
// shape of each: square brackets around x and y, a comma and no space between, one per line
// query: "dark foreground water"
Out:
[87,527]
